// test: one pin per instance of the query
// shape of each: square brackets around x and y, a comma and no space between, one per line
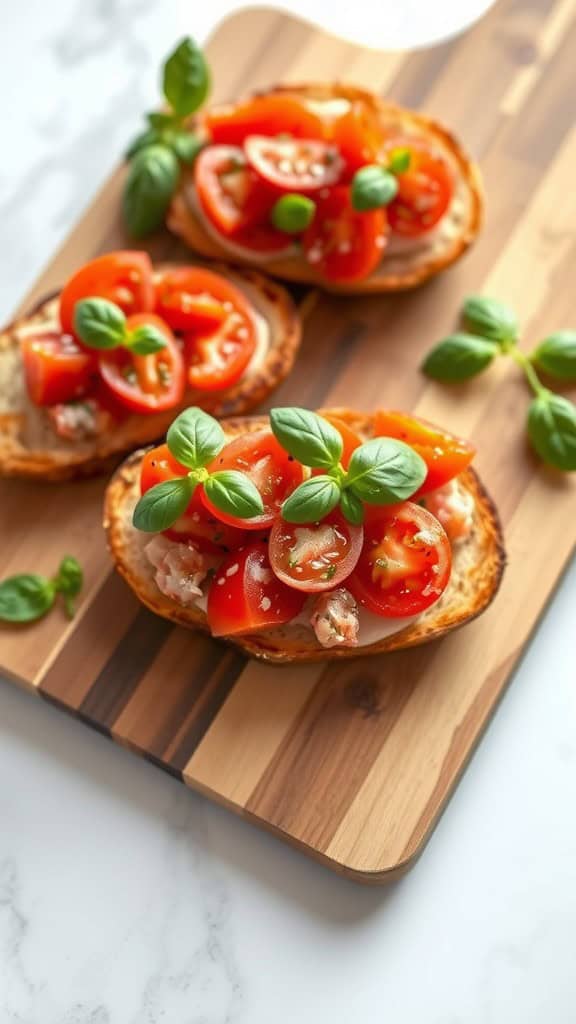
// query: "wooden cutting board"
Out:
[352,762]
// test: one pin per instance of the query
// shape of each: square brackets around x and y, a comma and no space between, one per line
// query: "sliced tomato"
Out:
[216,361]
[275,114]
[315,557]
[231,195]
[122,277]
[341,243]
[424,191]
[55,368]
[245,595]
[358,136]
[405,562]
[145,384]
[275,473]
[194,299]
[294,165]
[444,454]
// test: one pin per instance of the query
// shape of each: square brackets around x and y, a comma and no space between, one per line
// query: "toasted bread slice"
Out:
[30,447]
[406,262]
[478,563]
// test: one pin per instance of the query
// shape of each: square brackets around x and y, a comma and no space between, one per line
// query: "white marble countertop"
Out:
[126,899]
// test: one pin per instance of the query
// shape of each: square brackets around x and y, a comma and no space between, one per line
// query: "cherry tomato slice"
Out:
[194,299]
[216,361]
[275,473]
[274,114]
[341,243]
[245,595]
[314,557]
[445,454]
[231,195]
[55,368]
[293,165]
[358,136]
[122,277]
[424,191]
[145,384]
[405,562]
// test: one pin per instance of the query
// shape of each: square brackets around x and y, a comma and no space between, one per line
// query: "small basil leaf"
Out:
[234,493]
[186,78]
[293,213]
[147,138]
[556,355]
[312,500]
[552,430]
[383,471]
[68,582]
[145,340]
[186,146]
[352,508]
[307,436]
[490,319]
[99,323]
[160,121]
[373,186]
[25,598]
[195,438]
[459,357]
[149,187]
[160,507]
[399,160]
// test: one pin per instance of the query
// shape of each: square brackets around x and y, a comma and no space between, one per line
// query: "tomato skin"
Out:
[315,557]
[270,468]
[341,243]
[137,381]
[445,454]
[274,114]
[358,136]
[192,299]
[405,562]
[123,277]
[424,191]
[216,360]
[231,195]
[56,369]
[245,595]
[292,165]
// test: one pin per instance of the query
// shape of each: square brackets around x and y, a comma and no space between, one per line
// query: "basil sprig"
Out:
[381,471]
[195,439]
[494,329]
[101,324]
[376,185]
[158,153]
[29,596]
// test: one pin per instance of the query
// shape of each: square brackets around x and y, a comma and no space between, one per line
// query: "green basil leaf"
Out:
[490,319]
[383,470]
[186,146]
[556,355]
[399,160]
[149,187]
[373,186]
[234,493]
[352,508]
[160,121]
[306,436]
[99,323]
[312,500]
[186,78]
[293,213]
[145,340]
[68,582]
[25,598]
[459,357]
[160,507]
[195,438]
[552,430]
[147,138]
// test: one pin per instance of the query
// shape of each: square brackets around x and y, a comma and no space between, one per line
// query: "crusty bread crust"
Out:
[29,447]
[398,271]
[478,564]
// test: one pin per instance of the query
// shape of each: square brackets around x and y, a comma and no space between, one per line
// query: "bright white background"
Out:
[125,899]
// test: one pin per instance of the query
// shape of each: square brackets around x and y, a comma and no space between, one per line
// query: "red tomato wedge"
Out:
[231,195]
[358,136]
[315,557]
[122,277]
[55,368]
[424,191]
[445,454]
[145,384]
[405,562]
[216,361]
[245,595]
[192,299]
[341,243]
[275,473]
[293,165]
[279,113]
